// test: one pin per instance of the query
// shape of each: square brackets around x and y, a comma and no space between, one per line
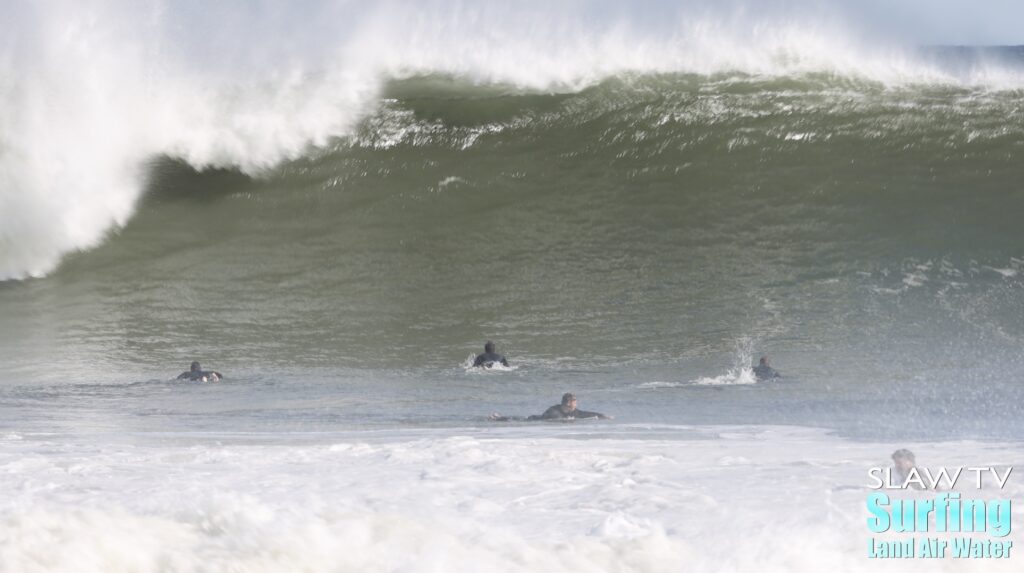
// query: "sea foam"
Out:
[517,500]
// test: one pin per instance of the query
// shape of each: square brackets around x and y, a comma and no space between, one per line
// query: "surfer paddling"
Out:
[197,374]
[489,357]
[764,371]
[567,410]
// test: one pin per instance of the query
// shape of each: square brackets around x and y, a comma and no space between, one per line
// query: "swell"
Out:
[802,213]
[885,174]
[91,93]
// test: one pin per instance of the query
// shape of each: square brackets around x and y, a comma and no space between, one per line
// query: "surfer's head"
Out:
[569,399]
[195,367]
[489,347]
[904,459]
[764,361]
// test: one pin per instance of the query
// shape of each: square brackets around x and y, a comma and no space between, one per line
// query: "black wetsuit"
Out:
[765,372]
[489,359]
[559,412]
[199,375]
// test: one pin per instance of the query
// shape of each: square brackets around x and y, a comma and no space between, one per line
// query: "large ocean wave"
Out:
[92,92]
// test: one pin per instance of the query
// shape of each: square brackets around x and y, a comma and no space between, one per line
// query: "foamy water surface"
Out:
[508,499]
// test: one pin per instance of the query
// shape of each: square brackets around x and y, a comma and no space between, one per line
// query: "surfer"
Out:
[489,358]
[197,374]
[763,371]
[904,461]
[567,410]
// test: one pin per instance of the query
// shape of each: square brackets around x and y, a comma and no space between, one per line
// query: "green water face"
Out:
[656,223]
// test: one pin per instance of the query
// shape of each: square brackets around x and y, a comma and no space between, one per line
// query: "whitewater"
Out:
[693,499]
[337,204]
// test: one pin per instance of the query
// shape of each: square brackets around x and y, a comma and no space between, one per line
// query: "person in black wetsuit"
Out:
[904,461]
[763,371]
[489,358]
[197,374]
[567,409]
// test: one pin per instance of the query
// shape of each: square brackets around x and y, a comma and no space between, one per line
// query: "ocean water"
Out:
[633,207]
